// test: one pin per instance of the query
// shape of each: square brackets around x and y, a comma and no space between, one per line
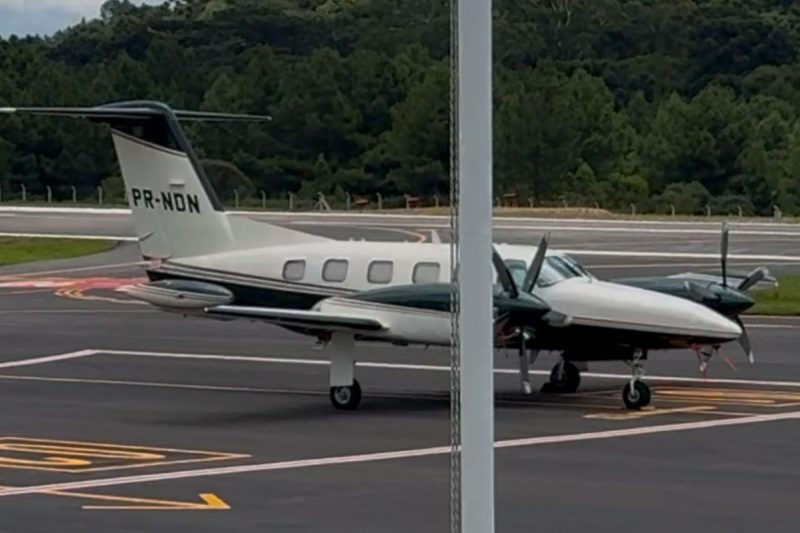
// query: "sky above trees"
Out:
[45,17]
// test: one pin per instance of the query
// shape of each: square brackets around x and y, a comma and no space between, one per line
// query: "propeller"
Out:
[504,275]
[510,286]
[724,253]
[531,276]
[535,269]
[752,279]
[744,342]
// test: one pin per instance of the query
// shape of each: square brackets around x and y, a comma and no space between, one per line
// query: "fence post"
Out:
[436,200]
[322,203]
[739,208]
[380,201]
[263,201]
[776,211]
[74,194]
[291,201]
[100,194]
[24,193]
[530,202]
[1,194]
[633,210]
[49,195]
[236,198]
[708,210]
[672,209]
[347,200]
[564,203]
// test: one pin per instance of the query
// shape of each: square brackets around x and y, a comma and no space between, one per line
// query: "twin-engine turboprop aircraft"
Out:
[204,262]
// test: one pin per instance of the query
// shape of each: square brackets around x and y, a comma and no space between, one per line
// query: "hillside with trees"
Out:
[616,102]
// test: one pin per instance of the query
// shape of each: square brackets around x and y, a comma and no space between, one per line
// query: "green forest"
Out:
[657,103]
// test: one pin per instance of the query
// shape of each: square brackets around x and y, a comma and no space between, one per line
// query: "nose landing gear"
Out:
[636,393]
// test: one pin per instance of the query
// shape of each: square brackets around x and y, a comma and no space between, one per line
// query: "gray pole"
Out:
[475,274]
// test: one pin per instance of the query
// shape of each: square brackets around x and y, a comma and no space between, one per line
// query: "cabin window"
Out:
[335,270]
[380,272]
[426,273]
[294,270]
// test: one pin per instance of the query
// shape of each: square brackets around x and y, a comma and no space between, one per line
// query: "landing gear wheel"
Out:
[566,382]
[346,397]
[636,397]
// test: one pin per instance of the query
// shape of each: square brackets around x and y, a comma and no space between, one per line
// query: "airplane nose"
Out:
[712,323]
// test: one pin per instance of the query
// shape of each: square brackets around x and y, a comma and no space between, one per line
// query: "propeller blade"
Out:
[504,274]
[724,253]
[753,278]
[536,265]
[744,342]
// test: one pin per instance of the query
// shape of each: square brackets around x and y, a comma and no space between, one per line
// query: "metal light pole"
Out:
[475,274]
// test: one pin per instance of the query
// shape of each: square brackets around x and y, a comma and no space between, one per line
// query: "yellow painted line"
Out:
[718,401]
[731,413]
[634,415]
[76,457]
[421,237]
[732,393]
[211,502]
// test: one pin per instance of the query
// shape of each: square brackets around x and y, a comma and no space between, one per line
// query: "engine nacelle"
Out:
[176,294]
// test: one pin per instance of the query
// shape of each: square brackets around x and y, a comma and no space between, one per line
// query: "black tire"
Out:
[346,398]
[568,383]
[638,397]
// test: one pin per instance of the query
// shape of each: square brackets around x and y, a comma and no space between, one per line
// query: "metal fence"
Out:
[81,197]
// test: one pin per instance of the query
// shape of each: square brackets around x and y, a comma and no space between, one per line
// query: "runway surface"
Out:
[119,417]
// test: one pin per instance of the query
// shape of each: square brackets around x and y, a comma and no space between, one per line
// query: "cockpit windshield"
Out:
[555,269]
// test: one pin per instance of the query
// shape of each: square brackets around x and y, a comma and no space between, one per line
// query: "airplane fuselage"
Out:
[603,318]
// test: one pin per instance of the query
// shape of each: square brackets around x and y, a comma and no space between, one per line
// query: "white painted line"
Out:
[393,455]
[47,359]
[74,210]
[597,226]
[434,368]
[772,326]
[584,252]
[388,215]
[69,236]
[682,255]
[156,385]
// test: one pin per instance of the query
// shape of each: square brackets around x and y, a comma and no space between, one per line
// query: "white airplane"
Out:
[205,262]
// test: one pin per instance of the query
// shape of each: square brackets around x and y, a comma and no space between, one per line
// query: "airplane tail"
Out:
[176,212]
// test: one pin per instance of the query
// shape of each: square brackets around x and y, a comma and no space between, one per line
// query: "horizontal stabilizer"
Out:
[130,111]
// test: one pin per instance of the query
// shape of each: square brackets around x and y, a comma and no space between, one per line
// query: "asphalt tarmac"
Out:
[118,417]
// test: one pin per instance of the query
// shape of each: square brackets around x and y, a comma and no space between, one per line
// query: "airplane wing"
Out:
[307,320]
[734,279]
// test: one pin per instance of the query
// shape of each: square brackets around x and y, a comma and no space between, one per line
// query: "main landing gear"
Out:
[565,378]
[346,397]
[345,391]
[636,393]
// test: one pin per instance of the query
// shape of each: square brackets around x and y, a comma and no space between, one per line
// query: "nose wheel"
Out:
[636,396]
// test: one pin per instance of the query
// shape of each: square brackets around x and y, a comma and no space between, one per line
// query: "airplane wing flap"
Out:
[298,318]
